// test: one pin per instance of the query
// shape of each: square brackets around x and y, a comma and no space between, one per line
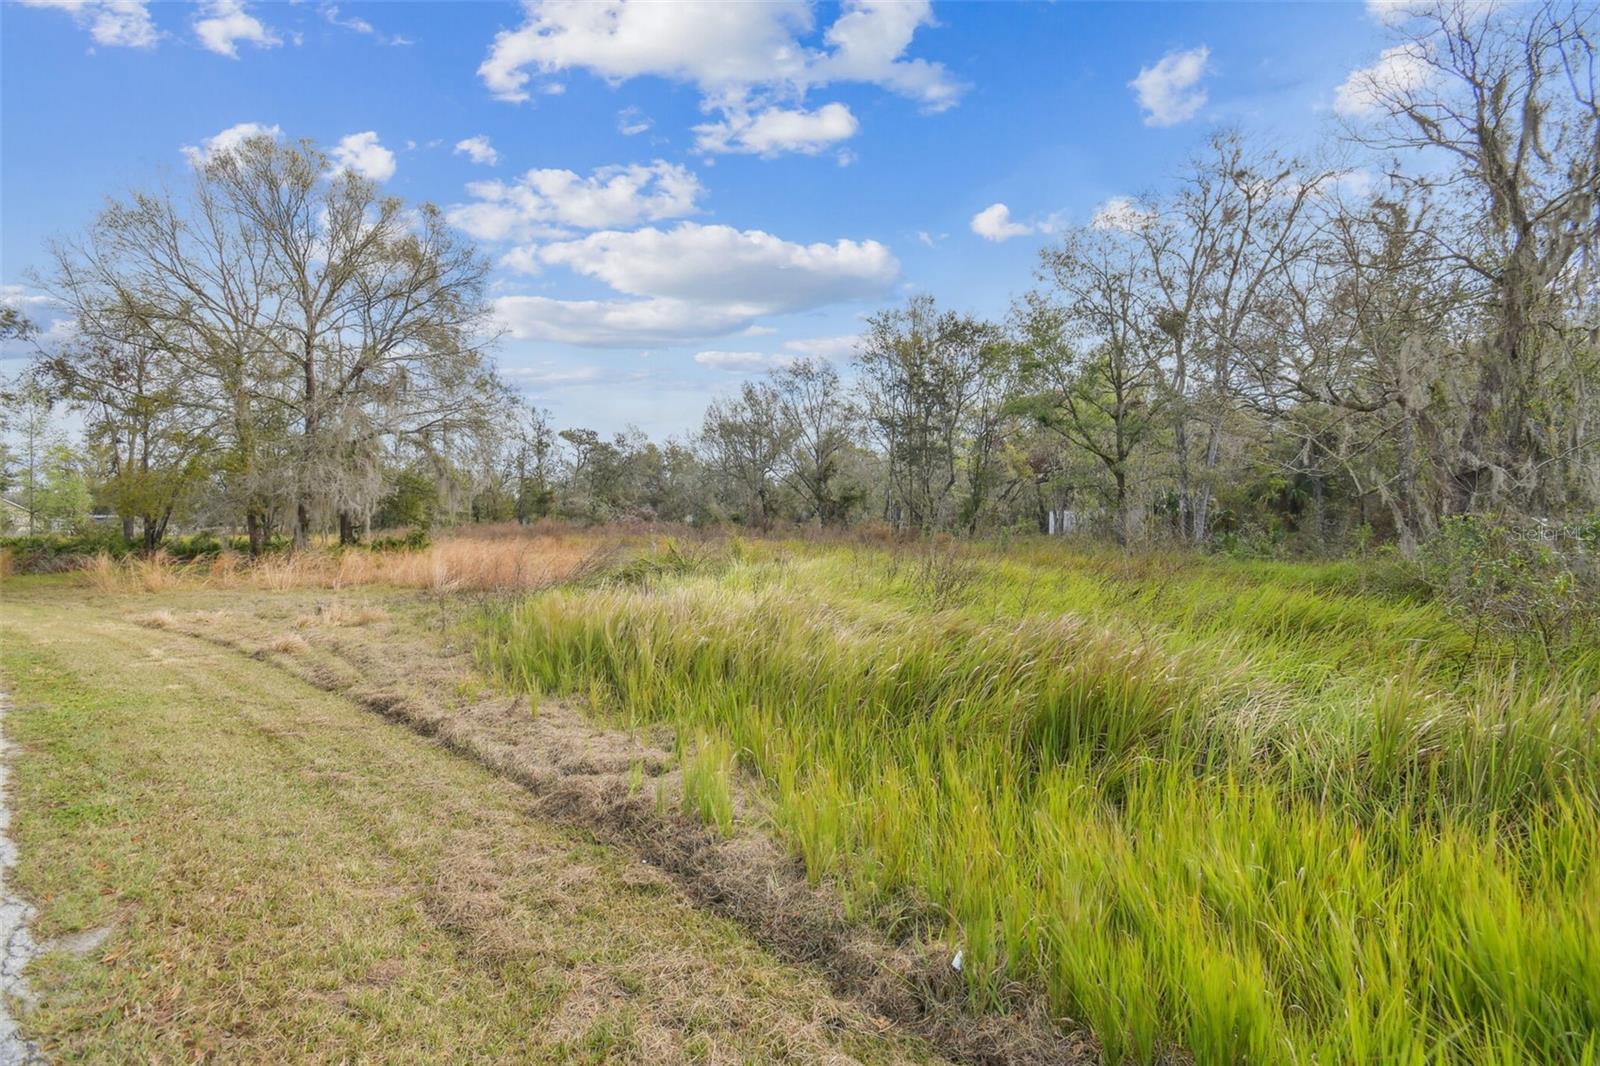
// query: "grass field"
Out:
[1210,811]
[1250,813]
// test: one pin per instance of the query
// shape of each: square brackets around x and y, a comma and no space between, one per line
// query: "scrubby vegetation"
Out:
[1258,812]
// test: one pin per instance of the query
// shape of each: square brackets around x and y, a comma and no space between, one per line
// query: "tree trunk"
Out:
[253,529]
[347,529]
[127,529]
[1202,503]
[302,526]
[1122,506]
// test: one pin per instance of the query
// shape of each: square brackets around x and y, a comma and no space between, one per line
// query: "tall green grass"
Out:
[1256,814]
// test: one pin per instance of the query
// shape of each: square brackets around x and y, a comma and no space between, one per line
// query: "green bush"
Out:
[46,552]
[415,540]
[1521,579]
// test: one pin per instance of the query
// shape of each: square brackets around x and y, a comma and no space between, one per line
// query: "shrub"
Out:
[1523,579]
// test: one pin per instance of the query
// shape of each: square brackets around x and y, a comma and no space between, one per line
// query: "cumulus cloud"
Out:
[360,153]
[694,282]
[224,23]
[1399,70]
[542,203]
[731,267]
[479,150]
[777,130]
[612,323]
[227,140]
[523,259]
[113,23]
[713,45]
[868,40]
[742,57]
[1170,91]
[994,223]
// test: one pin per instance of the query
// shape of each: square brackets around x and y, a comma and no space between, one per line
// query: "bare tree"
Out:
[1215,255]
[378,309]
[310,315]
[1507,99]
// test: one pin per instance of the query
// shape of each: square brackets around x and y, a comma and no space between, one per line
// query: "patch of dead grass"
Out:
[457,562]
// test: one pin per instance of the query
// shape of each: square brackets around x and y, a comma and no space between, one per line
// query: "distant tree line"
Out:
[1278,348]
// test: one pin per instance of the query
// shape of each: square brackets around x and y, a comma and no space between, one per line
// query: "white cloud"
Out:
[1121,213]
[833,349]
[613,323]
[1170,91]
[739,268]
[19,298]
[994,223]
[868,39]
[353,22]
[1399,70]
[523,260]
[61,331]
[777,129]
[631,121]
[694,282]
[227,140]
[113,23]
[713,45]
[547,377]
[829,349]
[1393,12]
[742,57]
[226,23]
[540,202]
[741,360]
[479,150]
[361,154]
[359,25]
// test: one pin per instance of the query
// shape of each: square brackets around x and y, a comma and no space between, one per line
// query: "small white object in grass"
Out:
[955,963]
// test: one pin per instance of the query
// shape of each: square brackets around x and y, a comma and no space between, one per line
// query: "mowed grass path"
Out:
[288,878]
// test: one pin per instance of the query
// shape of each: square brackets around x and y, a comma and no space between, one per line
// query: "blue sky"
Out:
[677,196]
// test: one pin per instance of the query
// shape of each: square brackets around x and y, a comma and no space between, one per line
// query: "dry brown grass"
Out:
[338,613]
[455,563]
